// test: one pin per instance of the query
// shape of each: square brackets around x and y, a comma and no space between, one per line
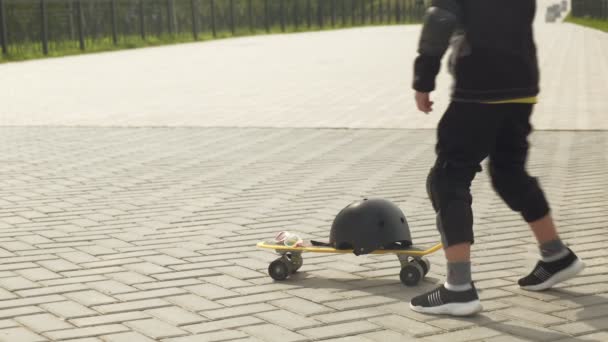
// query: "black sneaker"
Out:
[547,274]
[443,301]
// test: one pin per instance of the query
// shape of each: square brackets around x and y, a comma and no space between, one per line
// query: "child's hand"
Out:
[424,103]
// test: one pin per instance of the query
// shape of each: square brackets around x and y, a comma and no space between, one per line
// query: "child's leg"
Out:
[466,135]
[523,194]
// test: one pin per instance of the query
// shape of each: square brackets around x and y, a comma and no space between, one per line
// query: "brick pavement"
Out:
[147,234]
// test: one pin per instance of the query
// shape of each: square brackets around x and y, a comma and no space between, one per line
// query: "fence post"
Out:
[309,13]
[80,15]
[232,24]
[45,27]
[213,28]
[296,15]
[250,15]
[266,16]
[363,12]
[343,3]
[320,13]
[114,22]
[171,16]
[142,22]
[282,17]
[3,29]
[333,13]
[194,10]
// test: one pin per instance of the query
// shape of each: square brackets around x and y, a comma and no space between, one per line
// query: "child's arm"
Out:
[440,22]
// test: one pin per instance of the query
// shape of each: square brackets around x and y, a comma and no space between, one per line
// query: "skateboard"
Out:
[414,266]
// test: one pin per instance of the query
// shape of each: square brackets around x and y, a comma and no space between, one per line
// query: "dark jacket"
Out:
[493,49]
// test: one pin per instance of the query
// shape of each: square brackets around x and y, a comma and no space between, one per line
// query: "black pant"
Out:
[467,134]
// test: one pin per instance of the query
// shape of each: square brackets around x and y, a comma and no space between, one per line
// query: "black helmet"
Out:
[369,224]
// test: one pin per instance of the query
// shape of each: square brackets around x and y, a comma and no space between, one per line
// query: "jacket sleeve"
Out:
[440,22]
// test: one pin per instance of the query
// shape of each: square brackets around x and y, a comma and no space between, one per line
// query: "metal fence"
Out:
[596,9]
[47,25]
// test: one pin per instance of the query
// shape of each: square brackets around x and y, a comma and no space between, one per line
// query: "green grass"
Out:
[33,50]
[598,24]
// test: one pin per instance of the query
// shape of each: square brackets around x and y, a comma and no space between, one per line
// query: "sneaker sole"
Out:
[575,268]
[454,309]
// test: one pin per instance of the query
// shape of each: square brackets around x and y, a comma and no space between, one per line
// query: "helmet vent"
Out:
[402,220]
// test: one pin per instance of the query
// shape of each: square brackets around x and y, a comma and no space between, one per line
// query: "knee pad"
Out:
[448,189]
[521,192]
[455,223]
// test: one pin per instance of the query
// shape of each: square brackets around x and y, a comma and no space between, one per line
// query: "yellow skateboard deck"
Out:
[413,250]
[414,266]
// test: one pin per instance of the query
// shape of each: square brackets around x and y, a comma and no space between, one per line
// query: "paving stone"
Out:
[238,311]
[20,334]
[194,303]
[68,310]
[531,316]
[270,332]
[111,287]
[176,316]
[160,293]
[222,324]
[388,336]
[185,274]
[584,313]
[109,319]
[527,331]
[211,337]
[21,311]
[127,337]
[301,306]
[90,298]
[132,306]
[337,330]
[49,290]
[404,325]
[475,333]
[17,283]
[211,291]
[155,328]
[288,320]
[36,274]
[8,323]
[43,322]
[86,332]
[21,302]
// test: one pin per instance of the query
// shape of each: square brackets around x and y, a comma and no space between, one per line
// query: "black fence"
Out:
[42,26]
[596,9]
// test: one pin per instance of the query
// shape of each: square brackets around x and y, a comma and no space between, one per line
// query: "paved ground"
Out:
[117,234]
[147,234]
[348,78]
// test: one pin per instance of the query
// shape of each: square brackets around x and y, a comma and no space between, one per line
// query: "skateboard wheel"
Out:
[411,274]
[296,262]
[278,269]
[425,264]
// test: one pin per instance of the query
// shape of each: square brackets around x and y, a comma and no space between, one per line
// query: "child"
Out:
[495,69]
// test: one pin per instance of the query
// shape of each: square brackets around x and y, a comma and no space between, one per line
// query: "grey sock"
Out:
[553,250]
[459,274]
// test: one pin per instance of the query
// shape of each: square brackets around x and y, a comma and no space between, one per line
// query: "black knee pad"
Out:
[521,192]
[455,223]
[448,189]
